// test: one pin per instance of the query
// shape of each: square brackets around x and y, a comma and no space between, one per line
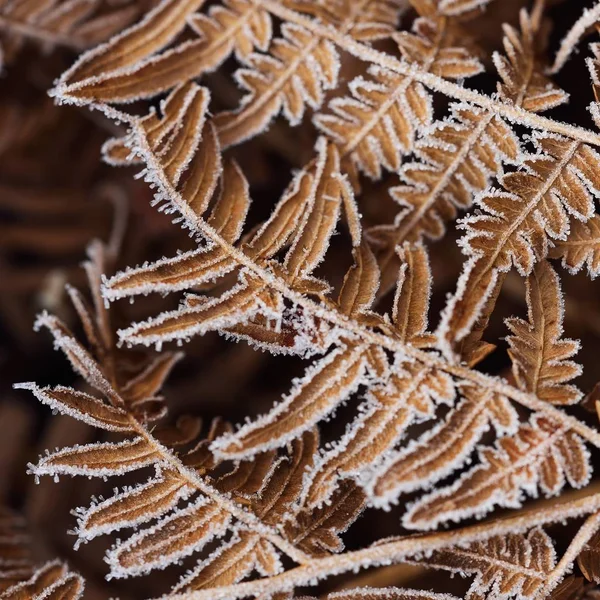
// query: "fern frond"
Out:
[580,248]
[442,449]
[295,73]
[540,456]
[375,125]
[509,566]
[535,204]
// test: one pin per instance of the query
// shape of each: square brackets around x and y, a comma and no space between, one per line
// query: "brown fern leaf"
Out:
[325,386]
[538,352]
[515,565]
[293,75]
[541,455]
[52,580]
[411,301]
[588,560]
[580,248]
[155,31]
[76,24]
[315,530]
[409,396]
[132,65]
[455,160]
[377,122]
[514,225]
[442,449]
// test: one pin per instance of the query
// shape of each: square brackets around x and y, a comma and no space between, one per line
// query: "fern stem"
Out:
[363,52]
[398,550]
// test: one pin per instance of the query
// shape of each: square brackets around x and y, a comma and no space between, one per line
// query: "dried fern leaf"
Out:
[410,396]
[377,122]
[541,455]
[52,581]
[198,315]
[580,248]
[179,534]
[523,76]
[236,26]
[324,386]
[280,494]
[360,282]
[588,560]
[444,448]
[294,74]
[182,272]
[98,460]
[508,566]
[456,159]
[315,530]
[537,349]
[132,507]
[277,231]
[572,588]
[411,301]
[322,211]
[155,31]
[82,406]
[231,563]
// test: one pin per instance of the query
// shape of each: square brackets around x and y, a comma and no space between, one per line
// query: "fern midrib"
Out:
[398,550]
[590,242]
[541,355]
